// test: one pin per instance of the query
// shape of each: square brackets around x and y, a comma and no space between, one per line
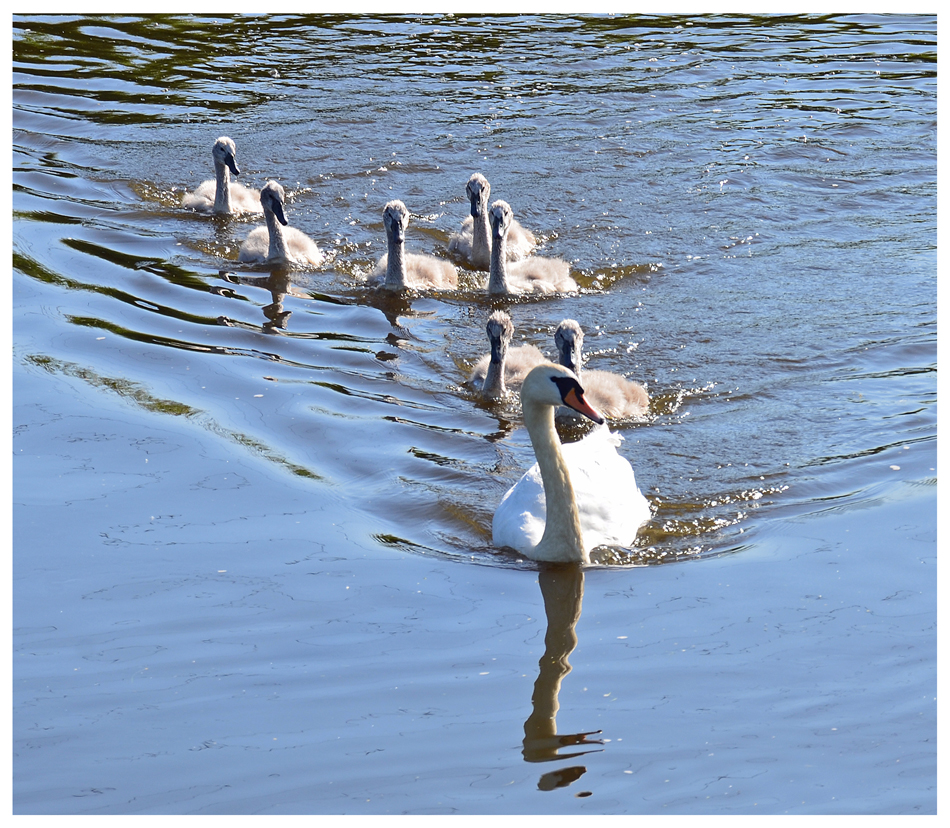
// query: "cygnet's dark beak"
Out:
[232,164]
[496,227]
[279,212]
[496,350]
[476,202]
[397,231]
[569,357]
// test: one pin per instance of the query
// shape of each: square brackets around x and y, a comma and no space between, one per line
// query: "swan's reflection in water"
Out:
[562,588]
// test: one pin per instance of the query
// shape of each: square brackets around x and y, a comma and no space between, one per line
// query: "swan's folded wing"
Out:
[519,519]
[610,505]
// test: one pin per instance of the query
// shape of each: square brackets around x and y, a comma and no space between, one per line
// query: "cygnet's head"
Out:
[223,153]
[555,385]
[396,219]
[272,200]
[499,330]
[569,340]
[500,217]
[478,190]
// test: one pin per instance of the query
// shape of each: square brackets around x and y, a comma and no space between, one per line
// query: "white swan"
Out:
[222,195]
[614,396]
[399,270]
[532,275]
[503,367]
[473,242]
[577,496]
[275,243]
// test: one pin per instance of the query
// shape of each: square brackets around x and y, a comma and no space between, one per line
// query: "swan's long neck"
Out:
[498,273]
[222,189]
[277,247]
[493,385]
[396,264]
[481,240]
[562,539]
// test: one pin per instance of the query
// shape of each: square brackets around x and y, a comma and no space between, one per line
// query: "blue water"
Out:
[252,559]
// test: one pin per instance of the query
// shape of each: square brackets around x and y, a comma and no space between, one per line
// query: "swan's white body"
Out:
[277,243]
[503,368]
[532,275]
[614,396]
[222,196]
[577,496]
[399,270]
[473,242]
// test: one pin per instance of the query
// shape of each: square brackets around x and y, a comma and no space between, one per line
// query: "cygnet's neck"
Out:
[493,385]
[396,264]
[481,239]
[570,358]
[562,540]
[498,273]
[277,246]
[222,188]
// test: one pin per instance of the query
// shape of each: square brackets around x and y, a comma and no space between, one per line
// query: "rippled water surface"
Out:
[252,564]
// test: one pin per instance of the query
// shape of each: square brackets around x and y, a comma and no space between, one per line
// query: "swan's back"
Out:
[461,242]
[610,506]
[521,242]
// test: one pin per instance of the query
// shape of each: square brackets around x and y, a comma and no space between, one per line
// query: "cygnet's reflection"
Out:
[279,283]
[562,588]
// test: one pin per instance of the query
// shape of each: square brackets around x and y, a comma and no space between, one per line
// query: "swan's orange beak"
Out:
[574,398]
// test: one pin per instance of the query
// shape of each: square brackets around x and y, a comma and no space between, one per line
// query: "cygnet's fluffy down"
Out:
[399,270]
[473,241]
[223,196]
[616,397]
[504,368]
[532,275]
[277,243]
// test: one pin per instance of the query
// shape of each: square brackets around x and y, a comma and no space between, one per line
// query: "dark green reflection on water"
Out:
[160,68]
